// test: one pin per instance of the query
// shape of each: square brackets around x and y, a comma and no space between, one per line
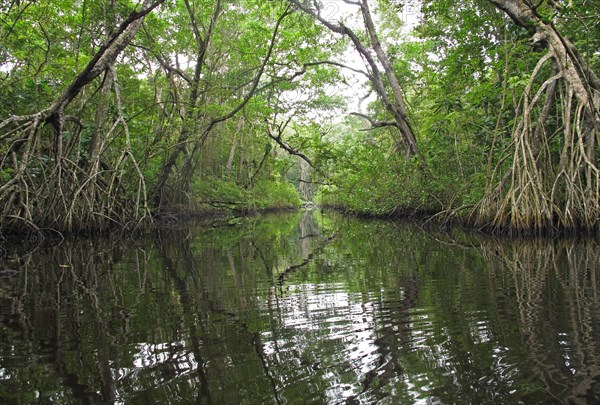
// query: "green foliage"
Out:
[463,71]
[274,194]
[265,194]
[216,190]
[6,175]
[384,186]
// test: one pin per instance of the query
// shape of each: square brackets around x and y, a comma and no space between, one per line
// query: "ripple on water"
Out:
[358,341]
[407,320]
[366,345]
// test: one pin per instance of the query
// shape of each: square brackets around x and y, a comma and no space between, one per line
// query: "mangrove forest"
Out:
[116,114]
[299,202]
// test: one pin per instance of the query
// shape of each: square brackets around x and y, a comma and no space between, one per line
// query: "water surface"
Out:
[301,308]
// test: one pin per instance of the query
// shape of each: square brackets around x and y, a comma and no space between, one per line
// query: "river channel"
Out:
[295,308]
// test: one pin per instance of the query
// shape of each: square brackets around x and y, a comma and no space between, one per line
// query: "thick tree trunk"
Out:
[398,108]
[99,134]
[97,137]
[582,80]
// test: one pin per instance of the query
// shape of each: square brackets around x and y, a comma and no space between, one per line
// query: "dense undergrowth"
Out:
[213,193]
[392,185]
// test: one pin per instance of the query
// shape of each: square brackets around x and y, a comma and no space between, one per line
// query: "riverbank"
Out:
[224,217]
[464,219]
[32,236]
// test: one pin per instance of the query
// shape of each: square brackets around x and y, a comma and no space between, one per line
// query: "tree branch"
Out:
[328,62]
[163,62]
[102,60]
[254,83]
[285,146]
[395,106]
[375,124]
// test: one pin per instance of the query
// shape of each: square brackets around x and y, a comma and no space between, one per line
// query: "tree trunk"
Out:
[229,165]
[188,125]
[579,77]
[396,107]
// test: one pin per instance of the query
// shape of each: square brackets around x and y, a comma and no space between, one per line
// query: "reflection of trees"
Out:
[60,323]
[562,342]
[218,288]
[380,311]
[126,327]
[179,272]
[394,338]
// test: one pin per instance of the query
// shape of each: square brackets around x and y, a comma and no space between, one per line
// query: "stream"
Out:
[297,308]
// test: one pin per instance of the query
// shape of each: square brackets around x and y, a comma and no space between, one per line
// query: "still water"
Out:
[301,308]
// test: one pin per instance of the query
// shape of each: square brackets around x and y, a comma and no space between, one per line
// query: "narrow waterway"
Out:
[301,308]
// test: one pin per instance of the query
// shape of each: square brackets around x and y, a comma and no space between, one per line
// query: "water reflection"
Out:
[300,308]
[557,310]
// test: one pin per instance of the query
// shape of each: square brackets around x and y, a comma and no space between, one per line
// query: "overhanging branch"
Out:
[375,124]
[285,146]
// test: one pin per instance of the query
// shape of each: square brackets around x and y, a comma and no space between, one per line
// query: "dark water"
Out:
[301,308]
